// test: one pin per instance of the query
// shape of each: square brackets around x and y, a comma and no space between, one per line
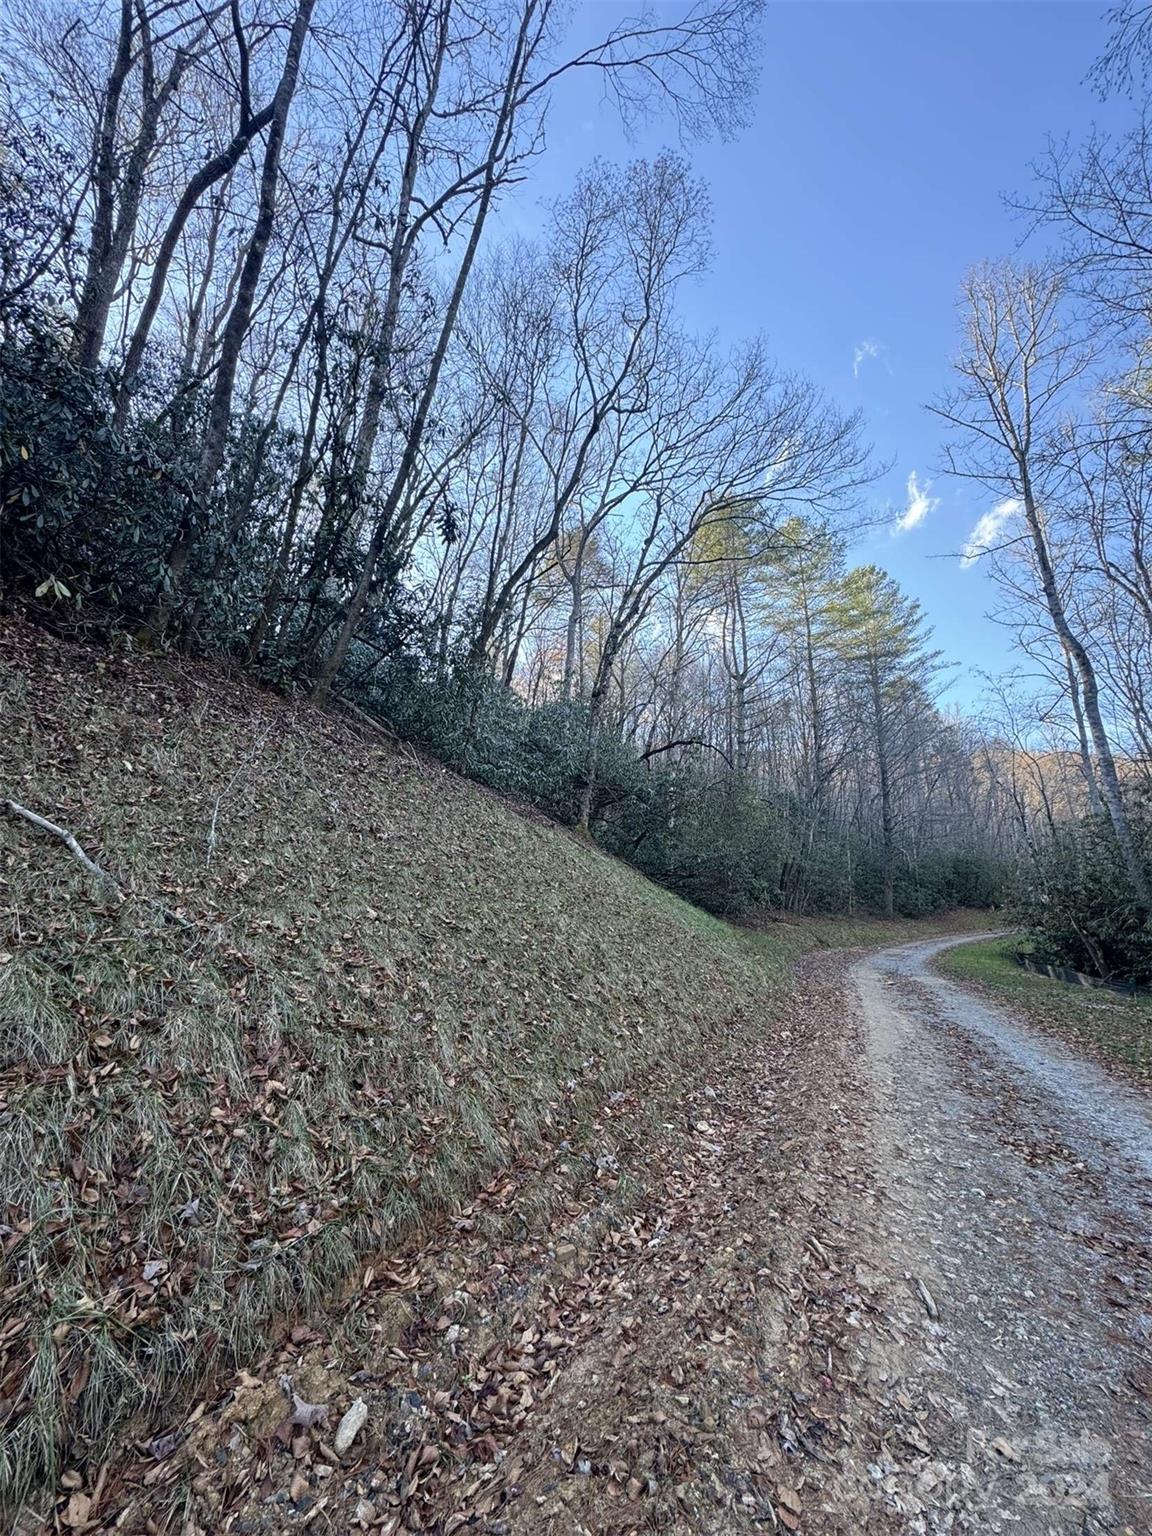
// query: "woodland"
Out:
[281,391]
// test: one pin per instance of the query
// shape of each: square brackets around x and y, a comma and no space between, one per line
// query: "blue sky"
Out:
[869,179]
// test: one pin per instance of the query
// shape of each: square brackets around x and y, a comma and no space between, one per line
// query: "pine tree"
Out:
[882,638]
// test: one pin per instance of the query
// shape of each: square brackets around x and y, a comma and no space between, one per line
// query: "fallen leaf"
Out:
[77,1510]
[308,1415]
[789,1499]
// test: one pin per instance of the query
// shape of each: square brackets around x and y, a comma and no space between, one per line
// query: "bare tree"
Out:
[1024,363]
[694,62]
[211,455]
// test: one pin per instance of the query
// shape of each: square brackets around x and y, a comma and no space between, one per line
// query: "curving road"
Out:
[1012,1236]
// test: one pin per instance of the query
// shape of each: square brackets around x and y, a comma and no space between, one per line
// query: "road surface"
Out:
[1011,1239]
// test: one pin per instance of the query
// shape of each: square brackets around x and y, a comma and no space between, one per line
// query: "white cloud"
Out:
[870,350]
[865,352]
[919,505]
[988,530]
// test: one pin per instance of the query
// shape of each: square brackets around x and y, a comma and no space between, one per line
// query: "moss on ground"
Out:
[1115,1029]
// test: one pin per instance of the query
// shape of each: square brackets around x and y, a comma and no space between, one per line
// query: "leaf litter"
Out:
[673,1348]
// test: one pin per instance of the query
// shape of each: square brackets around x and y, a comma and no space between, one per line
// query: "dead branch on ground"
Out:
[64,836]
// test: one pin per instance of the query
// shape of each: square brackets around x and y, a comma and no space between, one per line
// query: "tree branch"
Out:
[64,836]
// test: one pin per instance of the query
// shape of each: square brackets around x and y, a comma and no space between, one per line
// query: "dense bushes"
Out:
[89,512]
[1078,906]
[727,843]
[86,509]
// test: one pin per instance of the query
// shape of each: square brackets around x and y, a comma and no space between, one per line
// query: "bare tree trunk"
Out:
[278,580]
[1087,772]
[575,614]
[883,771]
[220,407]
[501,134]
[99,278]
[112,229]
[212,171]
[1085,672]
[592,755]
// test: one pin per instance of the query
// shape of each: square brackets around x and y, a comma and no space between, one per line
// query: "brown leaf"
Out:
[161,1446]
[789,1499]
[76,1513]
[308,1415]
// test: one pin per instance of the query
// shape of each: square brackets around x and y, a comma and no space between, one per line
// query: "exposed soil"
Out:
[885,1272]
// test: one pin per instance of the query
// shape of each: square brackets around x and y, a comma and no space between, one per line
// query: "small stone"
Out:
[350,1426]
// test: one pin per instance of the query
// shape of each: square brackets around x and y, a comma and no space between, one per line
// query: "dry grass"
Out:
[394,984]
[778,941]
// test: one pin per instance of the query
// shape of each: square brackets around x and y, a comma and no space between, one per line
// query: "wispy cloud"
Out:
[919,505]
[865,352]
[988,530]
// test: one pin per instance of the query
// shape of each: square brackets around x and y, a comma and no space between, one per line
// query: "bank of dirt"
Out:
[362,1092]
[341,1043]
[674,1351]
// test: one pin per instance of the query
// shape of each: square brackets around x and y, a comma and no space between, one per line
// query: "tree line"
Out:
[1051,414]
[279,385]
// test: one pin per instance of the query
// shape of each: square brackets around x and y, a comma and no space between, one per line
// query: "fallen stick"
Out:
[210,852]
[365,718]
[928,1299]
[64,836]
[67,839]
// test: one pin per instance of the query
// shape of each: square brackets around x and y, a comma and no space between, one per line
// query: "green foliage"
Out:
[84,509]
[89,513]
[1116,1028]
[719,840]
[713,839]
[1078,906]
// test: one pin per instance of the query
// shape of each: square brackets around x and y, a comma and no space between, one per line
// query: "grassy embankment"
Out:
[391,984]
[1115,1029]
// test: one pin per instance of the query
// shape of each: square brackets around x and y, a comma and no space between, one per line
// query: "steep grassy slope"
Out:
[391,982]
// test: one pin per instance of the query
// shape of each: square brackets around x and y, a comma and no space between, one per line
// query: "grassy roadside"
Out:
[391,986]
[781,941]
[1114,1029]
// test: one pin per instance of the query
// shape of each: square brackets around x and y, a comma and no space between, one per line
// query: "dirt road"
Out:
[1013,1212]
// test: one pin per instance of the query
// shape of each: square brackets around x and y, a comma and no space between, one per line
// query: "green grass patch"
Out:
[1115,1029]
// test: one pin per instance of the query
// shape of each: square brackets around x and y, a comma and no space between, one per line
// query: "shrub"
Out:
[86,513]
[1079,908]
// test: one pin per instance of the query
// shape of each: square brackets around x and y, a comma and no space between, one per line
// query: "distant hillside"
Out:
[388,983]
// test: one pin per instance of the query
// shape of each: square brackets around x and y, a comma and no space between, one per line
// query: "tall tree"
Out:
[882,636]
[1024,364]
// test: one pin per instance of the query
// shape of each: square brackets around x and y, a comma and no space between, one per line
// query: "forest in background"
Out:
[276,386]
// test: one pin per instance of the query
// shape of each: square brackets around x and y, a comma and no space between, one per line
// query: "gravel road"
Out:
[882,1270]
[1011,1240]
